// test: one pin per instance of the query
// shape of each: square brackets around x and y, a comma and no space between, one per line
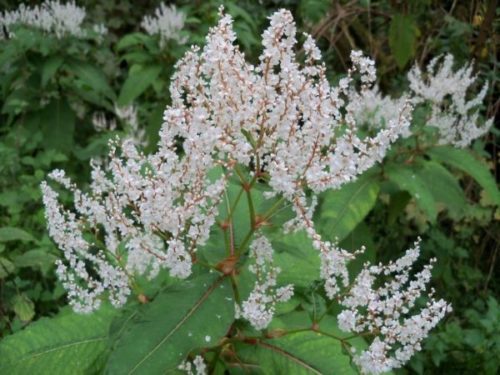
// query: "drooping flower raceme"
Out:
[259,308]
[385,310]
[167,23]
[280,120]
[52,17]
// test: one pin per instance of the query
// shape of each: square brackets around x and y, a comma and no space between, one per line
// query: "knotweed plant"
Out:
[443,91]
[167,22]
[52,16]
[278,131]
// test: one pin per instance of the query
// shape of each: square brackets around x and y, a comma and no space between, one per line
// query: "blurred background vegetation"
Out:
[51,89]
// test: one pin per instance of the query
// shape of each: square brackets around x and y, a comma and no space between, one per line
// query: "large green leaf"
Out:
[15,234]
[58,125]
[39,257]
[403,33]
[137,82]
[50,67]
[6,267]
[466,162]
[313,10]
[215,249]
[444,187]
[408,180]
[342,210]
[23,307]
[132,39]
[93,77]
[359,237]
[303,352]
[197,313]
[298,260]
[67,344]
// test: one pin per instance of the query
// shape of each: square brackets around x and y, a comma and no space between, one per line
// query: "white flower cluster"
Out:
[455,117]
[167,22]
[384,309]
[52,17]
[145,213]
[446,90]
[286,120]
[279,119]
[101,124]
[376,109]
[259,308]
[84,290]
[128,115]
[197,367]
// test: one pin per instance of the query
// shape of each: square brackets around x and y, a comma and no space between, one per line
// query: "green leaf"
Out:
[403,33]
[237,11]
[132,39]
[58,125]
[194,314]
[465,161]
[93,77]
[67,344]
[359,237]
[283,214]
[138,57]
[444,187]
[342,210]
[408,180]
[154,123]
[305,352]
[23,307]
[314,10]
[6,267]
[399,201]
[50,67]
[97,147]
[137,82]
[298,260]
[40,258]
[15,234]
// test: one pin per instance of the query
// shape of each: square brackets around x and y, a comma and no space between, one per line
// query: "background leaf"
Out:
[15,234]
[6,267]
[23,307]
[137,82]
[403,35]
[93,77]
[58,125]
[466,162]
[444,187]
[50,67]
[408,180]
